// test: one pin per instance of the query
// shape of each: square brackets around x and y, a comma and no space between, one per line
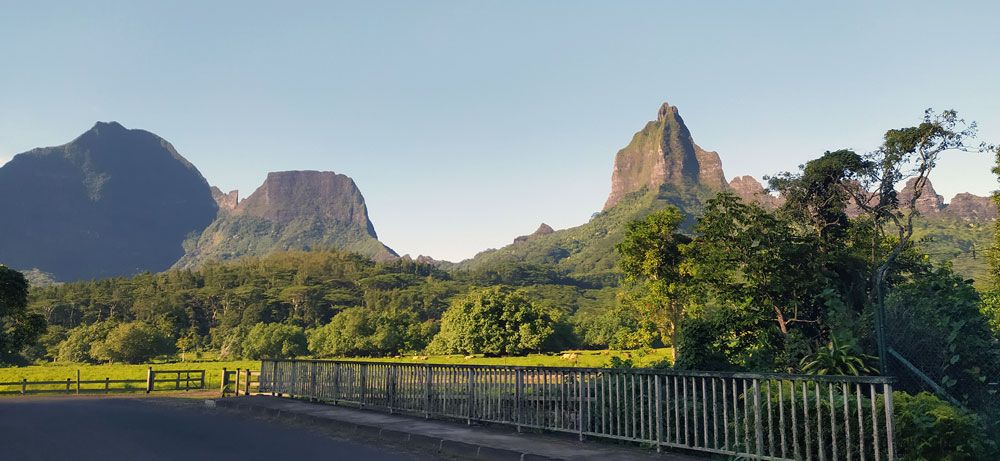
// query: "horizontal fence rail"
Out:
[155,380]
[760,416]
[239,381]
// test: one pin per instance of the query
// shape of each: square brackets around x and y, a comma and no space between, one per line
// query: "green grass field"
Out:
[61,371]
[213,368]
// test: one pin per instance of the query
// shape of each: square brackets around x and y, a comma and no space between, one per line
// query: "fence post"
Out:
[518,397]
[247,381]
[236,390]
[659,414]
[225,381]
[107,385]
[579,393]
[77,381]
[364,380]
[312,381]
[68,382]
[24,386]
[150,375]
[391,392]
[470,375]
[336,382]
[890,423]
[427,391]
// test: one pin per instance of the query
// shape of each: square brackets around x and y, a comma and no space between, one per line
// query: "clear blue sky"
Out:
[468,123]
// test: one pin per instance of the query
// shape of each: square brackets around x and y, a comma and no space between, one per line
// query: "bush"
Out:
[362,331]
[133,342]
[495,321]
[274,341]
[929,428]
[80,340]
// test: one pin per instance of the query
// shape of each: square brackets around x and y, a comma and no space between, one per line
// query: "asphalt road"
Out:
[112,429]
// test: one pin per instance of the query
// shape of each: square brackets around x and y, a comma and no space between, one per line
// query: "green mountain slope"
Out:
[661,166]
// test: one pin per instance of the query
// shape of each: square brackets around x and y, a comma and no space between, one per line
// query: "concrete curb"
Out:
[446,447]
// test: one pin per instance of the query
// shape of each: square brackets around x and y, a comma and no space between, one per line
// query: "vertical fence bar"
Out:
[758,427]
[659,414]
[871,388]
[519,397]
[579,423]
[890,423]
[819,423]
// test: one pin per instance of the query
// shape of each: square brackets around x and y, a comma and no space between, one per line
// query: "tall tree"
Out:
[18,327]
[906,154]
[650,259]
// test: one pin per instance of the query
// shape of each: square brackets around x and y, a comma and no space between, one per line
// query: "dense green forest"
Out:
[387,308]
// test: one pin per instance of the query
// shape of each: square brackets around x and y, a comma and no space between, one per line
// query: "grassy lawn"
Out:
[213,368]
[61,371]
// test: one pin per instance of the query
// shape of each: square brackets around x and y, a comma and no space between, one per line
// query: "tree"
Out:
[274,341]
[495,321]
[133,342]
[911,154]
[80,342]
[650,259]
[19,328]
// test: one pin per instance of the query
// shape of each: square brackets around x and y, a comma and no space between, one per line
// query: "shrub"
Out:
[80,340]
[133,342]
[494,321]
[929,428]
[274,341]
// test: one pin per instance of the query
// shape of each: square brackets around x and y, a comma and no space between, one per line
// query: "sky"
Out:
[468,123]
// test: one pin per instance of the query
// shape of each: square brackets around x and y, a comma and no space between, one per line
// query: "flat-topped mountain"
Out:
[113,201]
[292,210]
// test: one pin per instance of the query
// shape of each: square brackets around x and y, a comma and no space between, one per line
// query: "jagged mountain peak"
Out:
[664,153]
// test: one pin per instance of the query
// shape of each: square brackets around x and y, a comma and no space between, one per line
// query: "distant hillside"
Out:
[112,202]
[292,210]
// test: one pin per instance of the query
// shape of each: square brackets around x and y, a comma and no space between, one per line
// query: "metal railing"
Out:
[761,416]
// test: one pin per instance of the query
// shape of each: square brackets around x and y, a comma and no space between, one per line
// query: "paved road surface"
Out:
[112,429]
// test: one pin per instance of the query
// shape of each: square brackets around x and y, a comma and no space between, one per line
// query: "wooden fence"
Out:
[155,380]
[239,381]
[749,415]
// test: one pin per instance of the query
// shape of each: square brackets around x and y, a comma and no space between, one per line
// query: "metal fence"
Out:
[761,416]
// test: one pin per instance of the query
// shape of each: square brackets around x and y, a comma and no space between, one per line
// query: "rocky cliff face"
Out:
[929,203]
[963,206]
[113,201]
[751,191]
[664,153]
[226,201]
[544,229]
[292,210]
[971,207]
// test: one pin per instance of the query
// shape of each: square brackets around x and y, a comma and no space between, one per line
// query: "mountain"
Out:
[113,201]
[664,153]
[292,210]
[751,191]
[662,165]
